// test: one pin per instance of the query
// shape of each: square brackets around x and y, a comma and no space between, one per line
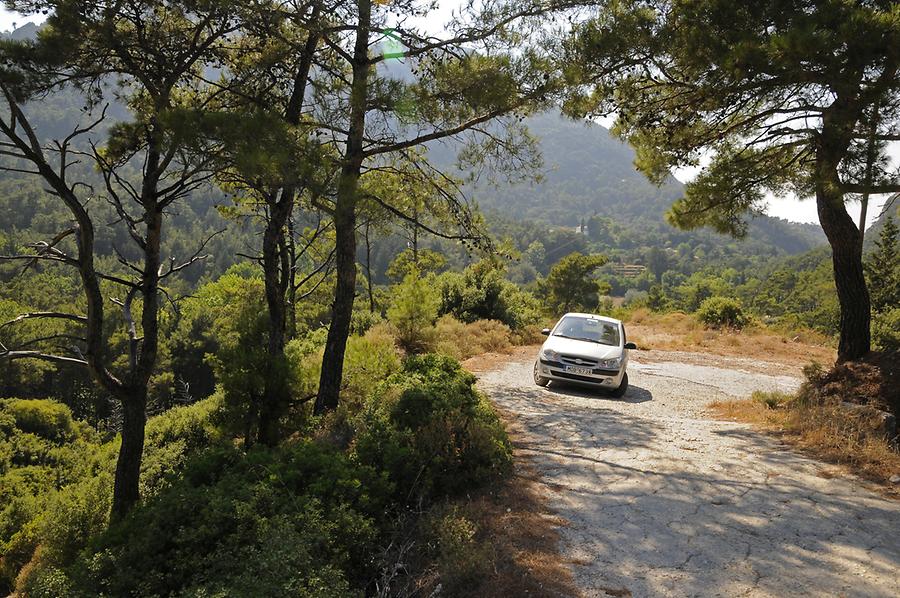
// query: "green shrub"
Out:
[369,359]
[57,497]
[722,312]
[172,437]
[44,418]
[413,310]
[886,330]
[46,582]
[43,455]
[481,292]
[362,320]
[17,552]
[292,521]
[461,341]
[73,516]
[432,431]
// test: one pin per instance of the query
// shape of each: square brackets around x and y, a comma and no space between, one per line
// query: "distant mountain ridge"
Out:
[590,173]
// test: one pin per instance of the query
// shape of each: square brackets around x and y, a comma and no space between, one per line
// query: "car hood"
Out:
[583,348]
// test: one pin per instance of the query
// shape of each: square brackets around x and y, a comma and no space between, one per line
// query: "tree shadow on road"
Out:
[666,510]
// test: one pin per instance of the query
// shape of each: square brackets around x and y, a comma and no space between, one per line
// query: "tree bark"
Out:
[328,396]
[846,256]
[126,490]
[369,270]
[276,277]
[292,282]
[844,238]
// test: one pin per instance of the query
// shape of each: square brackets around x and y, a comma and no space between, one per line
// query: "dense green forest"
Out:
[241,259]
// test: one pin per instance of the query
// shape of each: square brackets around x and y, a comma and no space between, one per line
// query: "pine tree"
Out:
[883,269]
[731,81]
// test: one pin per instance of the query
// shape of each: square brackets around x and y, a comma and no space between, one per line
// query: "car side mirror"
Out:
[630,346]
[545,332]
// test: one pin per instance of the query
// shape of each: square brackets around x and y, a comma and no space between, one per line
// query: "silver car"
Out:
[585,349]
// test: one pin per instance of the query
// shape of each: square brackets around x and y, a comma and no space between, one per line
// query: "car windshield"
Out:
[588,329]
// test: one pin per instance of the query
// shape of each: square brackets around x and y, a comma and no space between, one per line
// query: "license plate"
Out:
[583,371]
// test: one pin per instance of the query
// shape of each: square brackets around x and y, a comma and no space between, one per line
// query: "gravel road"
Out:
[662,500]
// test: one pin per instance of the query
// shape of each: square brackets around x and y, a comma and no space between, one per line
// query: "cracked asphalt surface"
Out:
[662,500]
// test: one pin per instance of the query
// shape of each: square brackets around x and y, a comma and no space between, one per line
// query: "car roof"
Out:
[593,317]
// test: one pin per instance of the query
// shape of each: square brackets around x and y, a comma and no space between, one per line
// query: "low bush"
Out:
[293,521]
[44,453]
[722,312]
[772,400]
[56,502]
[308,518]
[47,419]
[172,437]
[432,431]
[369,359]
[836,415]
[413,311]
[460,558]
[362,320]
[529,335]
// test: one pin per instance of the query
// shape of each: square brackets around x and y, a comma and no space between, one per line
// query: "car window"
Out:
[588,329]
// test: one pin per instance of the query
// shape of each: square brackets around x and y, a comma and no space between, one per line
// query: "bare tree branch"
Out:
[45,315]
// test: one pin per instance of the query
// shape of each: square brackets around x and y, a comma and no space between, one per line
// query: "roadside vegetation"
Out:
[390,494]
[845,415]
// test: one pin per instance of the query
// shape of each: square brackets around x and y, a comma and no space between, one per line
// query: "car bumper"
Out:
[598,378]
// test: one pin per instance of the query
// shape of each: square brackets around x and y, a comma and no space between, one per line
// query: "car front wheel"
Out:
[538,379]
[620,391]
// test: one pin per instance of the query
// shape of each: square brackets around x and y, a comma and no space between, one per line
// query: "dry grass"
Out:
[513,549]
[462,341]
[825,431]
[678,331]
[490,361]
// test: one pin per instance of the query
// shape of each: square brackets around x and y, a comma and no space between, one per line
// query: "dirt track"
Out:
[661,500]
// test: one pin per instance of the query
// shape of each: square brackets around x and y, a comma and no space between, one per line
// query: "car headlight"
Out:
[550,355]
[610,364]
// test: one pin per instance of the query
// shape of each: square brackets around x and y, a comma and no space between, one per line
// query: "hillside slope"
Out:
[588,173]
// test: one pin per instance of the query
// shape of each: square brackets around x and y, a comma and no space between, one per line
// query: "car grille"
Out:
[575,360]
[564,374]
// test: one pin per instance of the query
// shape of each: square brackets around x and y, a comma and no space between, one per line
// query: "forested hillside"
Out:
[587,173]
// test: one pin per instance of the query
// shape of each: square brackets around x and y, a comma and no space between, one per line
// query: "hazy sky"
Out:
[790,208]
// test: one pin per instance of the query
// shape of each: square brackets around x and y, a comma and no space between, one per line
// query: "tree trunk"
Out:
[345,222]
[275,399]
[846,255]
[415,235]
[344,292]
[128,466]
[369,270]
[292,282]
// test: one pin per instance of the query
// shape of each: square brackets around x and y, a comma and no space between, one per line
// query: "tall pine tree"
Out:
[883,269]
